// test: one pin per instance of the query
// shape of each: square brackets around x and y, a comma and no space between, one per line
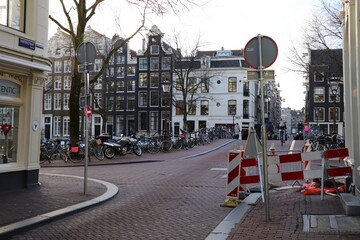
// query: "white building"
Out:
[23,70]
[228,99]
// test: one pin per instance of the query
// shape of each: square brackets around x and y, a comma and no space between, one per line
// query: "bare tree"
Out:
[192,78]
[77,15]
[323,31]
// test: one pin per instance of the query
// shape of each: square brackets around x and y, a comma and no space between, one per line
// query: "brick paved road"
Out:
[171,199]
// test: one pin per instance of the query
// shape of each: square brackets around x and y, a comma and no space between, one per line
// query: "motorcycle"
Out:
[122,146]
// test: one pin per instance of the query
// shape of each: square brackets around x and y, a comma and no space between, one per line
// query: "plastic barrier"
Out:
[232,187]
[281,168]
[332,171]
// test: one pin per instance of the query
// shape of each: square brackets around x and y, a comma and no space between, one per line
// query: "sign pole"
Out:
[263,131]
[86,53]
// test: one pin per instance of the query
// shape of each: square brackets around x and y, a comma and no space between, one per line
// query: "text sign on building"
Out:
[9,89]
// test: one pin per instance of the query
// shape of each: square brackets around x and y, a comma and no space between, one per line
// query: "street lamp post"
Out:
[334,85]
[166,87]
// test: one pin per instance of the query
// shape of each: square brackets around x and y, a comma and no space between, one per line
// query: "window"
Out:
[143,81]
[179,107]
[47,101]
[246,88]
[154,63]
[319,114]
[57,66]
[131,86]
[154,49]
[67,82]
[319,94]
[97,100]
[120,103]
[179,84]
[205,82]
[57,126]
[110,103]
[131,103]
[319,76]
[246,109]
[120,72]
[9,117]
[232,84]
[154,98]
[57,101]
[66,101]
[231,107]
[120,86]
[154,119]
[204,107]
[331,112]
[67,66]
[166,63]
[192,84]
[57,83]
[98,65]
[143,64]
[120,59]
[143,121]
[192,107]
[12,14]
[48,84]
[154,80]
[131,71]
[110,72]
[142,99]
[66,126]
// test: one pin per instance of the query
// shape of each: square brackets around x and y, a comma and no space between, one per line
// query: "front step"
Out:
[351,204]
[331,224]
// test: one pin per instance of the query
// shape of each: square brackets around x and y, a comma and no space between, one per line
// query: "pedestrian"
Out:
[236,131]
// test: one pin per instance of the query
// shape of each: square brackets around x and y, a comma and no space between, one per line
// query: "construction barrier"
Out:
[232,187]
[337,170]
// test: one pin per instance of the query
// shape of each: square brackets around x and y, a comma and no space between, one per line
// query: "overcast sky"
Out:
[223,23]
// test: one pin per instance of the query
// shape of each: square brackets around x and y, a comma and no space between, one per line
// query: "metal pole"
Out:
[263,138]
[86,133]
[334,112]
[87,92]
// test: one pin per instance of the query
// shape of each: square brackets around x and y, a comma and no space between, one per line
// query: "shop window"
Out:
[9,122]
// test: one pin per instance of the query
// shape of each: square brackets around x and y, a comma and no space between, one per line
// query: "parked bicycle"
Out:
[51,150]
[76,153]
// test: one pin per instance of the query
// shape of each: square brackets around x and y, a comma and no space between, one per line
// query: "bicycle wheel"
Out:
[77,157]
[98,152]
[153,147]
[166,145]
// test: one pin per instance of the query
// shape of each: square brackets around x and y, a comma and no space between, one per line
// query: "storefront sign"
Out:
[10,89]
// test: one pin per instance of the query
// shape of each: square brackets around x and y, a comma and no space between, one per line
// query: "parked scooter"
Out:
[122,146]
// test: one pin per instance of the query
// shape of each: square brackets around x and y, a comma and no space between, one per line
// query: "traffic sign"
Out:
[87,67]
[268,52]
[268,75]
[86,52]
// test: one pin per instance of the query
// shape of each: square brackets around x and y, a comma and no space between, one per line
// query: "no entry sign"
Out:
[267,52]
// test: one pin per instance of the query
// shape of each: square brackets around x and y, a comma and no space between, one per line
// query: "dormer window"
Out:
[154,49]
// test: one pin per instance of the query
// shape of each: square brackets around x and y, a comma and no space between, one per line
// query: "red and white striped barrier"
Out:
[281,168]
[332,171]
[249,173]
[292,167]
[232,187]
